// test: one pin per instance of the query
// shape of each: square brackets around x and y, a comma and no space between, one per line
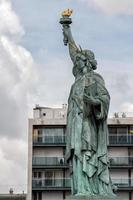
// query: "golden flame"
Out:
[67,13]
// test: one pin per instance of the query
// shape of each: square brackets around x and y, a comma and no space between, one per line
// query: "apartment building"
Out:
[48,173]
[12,196]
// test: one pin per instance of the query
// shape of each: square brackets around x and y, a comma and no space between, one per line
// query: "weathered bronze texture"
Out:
[87,132]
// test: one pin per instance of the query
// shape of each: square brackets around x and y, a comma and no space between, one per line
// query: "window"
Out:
[118,130]
[35,196]
[53,131]
[39,196]
[118,135]
[39,174]
[131,129]
[39,135]
[53,135]
[112,130]
[49,177]
[35,174]
[122,130]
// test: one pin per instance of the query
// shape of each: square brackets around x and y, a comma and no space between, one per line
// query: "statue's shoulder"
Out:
[101,83]
[98,78]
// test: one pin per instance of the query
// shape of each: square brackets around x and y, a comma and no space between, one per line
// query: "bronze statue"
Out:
[87,132]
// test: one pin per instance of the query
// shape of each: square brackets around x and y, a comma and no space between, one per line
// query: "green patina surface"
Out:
[91,198]
[87,132]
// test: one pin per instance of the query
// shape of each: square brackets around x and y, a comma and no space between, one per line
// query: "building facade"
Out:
[12,196]
[48,173]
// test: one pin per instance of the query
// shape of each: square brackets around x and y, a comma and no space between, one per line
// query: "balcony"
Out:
[122,139]
[60,140]
[51,184]
[59,162]
[49,140]
[123,184]
[122,162]
[65,184]
[49,162]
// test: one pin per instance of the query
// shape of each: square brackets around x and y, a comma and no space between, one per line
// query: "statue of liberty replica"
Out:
[87,132]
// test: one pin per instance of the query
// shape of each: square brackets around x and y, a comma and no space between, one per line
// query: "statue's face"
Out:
[83,64]
[88,65]
[91,59]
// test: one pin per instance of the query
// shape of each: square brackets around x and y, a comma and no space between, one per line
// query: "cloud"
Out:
[13,172]
[118,79]
[9,21]
[17,86]
[21,86]
[18,76]
[128,108]
[112,6]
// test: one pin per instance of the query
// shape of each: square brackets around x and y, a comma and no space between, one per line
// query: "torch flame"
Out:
[67,13]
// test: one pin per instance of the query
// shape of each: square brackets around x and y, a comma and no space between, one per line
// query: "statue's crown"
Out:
[67,13]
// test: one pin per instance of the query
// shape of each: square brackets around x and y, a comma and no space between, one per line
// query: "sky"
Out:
[35,67]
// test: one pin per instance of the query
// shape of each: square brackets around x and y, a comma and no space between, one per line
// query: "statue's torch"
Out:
[66,21]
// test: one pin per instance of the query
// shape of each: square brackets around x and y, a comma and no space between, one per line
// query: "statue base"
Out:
[91,198]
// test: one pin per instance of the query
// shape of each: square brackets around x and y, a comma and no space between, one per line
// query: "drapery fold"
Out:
[87,138]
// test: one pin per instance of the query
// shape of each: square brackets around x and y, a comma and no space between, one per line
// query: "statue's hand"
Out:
[91,100]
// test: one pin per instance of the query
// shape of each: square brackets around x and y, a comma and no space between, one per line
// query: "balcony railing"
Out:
[66,183]
[60,161]
[49,139]
[121,139]
[123,183]
[61,139]
[48,161]
[51,183]
[121,161]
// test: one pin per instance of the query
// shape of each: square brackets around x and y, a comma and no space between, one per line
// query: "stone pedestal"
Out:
[91,198]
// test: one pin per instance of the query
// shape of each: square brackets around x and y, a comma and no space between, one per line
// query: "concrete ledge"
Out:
[91,198]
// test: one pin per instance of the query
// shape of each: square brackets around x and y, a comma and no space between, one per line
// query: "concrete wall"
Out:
[119,173]
[118,121]
[49,152]
[52,195]
[123,195]
[30,131]
[50,113]
[118,152]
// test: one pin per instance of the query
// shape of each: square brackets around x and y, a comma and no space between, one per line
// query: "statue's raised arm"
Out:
[86,131]
[68,38]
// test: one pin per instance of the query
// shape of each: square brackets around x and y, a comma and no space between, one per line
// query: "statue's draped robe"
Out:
[87,138]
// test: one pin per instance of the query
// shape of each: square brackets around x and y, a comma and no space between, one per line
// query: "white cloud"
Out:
[127,107]
[118,79]
[18,81]
[9,22]
[18,73]
[13,173]
[113,6]
[58,74]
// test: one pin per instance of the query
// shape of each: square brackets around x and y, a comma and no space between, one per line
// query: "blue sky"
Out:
[35,67]
[108,34]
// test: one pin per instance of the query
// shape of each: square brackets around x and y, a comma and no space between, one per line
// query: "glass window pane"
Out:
[122,130]
[112,130]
